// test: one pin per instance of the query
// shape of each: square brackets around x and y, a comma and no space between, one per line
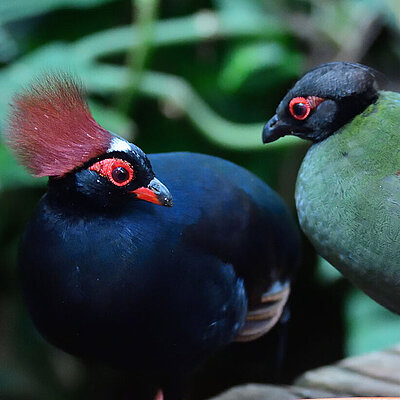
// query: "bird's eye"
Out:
[117,171]
[120,175]
[300,108]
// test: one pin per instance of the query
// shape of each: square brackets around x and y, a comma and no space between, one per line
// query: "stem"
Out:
[138,54]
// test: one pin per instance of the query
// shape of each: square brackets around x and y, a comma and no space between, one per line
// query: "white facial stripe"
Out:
[118,144]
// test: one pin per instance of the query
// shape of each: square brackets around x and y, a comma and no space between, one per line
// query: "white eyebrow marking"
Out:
[118,144]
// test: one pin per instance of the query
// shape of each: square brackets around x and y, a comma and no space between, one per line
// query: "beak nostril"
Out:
[273,121]
[156,189]
[274,129]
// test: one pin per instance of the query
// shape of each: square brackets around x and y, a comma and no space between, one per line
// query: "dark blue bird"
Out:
[130,284]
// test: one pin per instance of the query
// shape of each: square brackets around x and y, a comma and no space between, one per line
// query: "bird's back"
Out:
[242,222]
[229,212]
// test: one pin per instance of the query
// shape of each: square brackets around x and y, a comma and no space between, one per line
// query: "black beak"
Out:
[275,129]
[155,192]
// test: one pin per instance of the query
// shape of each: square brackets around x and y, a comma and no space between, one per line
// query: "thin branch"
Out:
[137,57]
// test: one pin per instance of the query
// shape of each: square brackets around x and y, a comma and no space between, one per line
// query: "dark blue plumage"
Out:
[128,283]
[147,287]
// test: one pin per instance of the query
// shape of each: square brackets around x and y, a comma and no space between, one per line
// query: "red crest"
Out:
[51,130]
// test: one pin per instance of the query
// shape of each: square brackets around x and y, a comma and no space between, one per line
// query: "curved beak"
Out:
[275,129]
[155,192]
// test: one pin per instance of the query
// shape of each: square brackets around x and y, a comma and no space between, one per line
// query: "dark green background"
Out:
[201,76]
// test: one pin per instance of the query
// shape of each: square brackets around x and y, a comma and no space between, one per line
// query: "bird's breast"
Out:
[348,201]
[128,293]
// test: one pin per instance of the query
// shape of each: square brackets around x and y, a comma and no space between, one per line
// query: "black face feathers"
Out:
[344,90]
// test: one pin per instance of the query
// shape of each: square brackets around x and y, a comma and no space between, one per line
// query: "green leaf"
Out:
[17,9]
[12,175]
[239,6]
[388,9]
[8,46]
[250,58]
[54,57]
[113,120]
[204,25]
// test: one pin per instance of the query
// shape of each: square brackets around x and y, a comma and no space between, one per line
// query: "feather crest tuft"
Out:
[51,130]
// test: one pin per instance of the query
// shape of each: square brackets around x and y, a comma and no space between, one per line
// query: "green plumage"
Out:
[348,199]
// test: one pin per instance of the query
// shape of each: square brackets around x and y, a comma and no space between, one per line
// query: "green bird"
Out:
[348,186]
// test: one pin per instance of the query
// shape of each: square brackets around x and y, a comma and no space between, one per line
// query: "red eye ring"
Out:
[107,166]
[299,108]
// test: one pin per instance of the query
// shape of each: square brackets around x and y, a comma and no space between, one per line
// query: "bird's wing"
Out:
[232,215]
[262,317]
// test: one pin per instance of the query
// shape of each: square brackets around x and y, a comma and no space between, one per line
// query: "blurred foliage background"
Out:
[194,75]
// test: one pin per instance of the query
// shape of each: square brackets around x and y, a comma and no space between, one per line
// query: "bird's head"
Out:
[322,101]
[52,133]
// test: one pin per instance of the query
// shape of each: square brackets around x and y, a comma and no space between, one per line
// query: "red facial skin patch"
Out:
[110,167]
[314,101]
[300,107]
